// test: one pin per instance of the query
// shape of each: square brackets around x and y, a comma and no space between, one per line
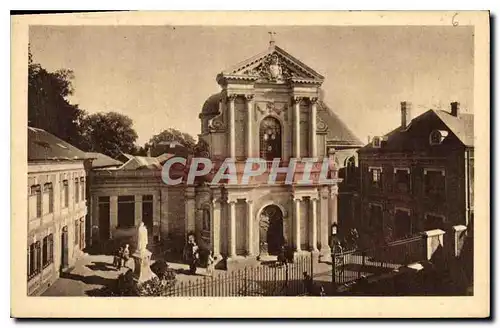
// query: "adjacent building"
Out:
[418,177]
[56,208]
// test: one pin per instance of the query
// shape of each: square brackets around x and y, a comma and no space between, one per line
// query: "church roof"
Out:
[337,134]
[211,105]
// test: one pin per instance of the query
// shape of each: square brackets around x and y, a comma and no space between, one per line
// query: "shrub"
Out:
[125,285]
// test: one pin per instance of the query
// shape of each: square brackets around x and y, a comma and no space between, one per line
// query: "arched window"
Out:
[270,139]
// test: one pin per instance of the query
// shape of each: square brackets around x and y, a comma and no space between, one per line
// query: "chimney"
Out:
[455,108]
[369,139]
[405,114]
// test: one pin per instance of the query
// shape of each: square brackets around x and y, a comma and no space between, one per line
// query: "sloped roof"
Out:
[462,126]
[101,160]
[170,147]
[45,146]
[141,162]
[338,133]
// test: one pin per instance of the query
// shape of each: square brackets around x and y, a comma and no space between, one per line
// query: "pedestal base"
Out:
[240,262]
[325,256]
[142,269]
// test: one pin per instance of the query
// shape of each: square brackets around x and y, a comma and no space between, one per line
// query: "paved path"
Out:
[95,271]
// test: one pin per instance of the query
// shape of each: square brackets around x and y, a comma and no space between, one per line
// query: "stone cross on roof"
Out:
[271,40]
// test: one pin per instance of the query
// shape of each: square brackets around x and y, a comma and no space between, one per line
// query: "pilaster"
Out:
[190,207]
[249,127]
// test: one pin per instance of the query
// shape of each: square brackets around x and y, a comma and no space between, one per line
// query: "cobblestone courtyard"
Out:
[92,272]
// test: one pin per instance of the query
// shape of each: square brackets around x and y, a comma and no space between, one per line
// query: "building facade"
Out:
[270,107]
[420,176]
[56,208]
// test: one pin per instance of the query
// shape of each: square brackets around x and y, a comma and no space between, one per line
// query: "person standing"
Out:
[194,258]
[308,283]
[117,259]
[126,255]
[210,264]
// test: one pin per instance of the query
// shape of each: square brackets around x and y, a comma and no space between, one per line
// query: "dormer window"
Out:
[376,142]
[437,136]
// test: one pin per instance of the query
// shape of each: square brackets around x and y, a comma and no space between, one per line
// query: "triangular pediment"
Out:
[273,65]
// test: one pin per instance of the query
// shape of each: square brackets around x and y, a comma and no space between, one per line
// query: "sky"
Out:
[160,76]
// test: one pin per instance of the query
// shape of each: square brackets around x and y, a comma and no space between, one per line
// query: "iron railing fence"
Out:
[264,280]
[349,266]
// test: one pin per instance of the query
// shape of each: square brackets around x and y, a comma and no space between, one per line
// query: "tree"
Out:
[48,107]
[185,139]
[109,133]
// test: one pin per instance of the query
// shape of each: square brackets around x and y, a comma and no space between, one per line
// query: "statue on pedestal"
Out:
[142,257]
[142,238]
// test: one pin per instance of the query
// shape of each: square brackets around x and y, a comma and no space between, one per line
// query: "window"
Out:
[434,183]
[147,211]
[34,257]
[206,219]
[48,198]
[47,251]
[65,193]
[375,177]
[35,202]
[433,222]
[82,185]
[402,224]
[270,139]
[126,211]
[376,142]
[402,180]
[77,191]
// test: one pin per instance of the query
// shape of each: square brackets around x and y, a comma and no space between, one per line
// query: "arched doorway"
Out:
[271,237]
[270,138]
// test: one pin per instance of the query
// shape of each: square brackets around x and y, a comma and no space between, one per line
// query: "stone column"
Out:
[250,242]
[312,129]
[296,128]
[138,209]
[232,228]
[215,228]
[325,227]
[334,190]
[296,217]
[249,125]
[113,212]
[190,207]
[231,116]
[314,225]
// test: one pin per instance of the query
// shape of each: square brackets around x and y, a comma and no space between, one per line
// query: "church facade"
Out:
[269,107]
